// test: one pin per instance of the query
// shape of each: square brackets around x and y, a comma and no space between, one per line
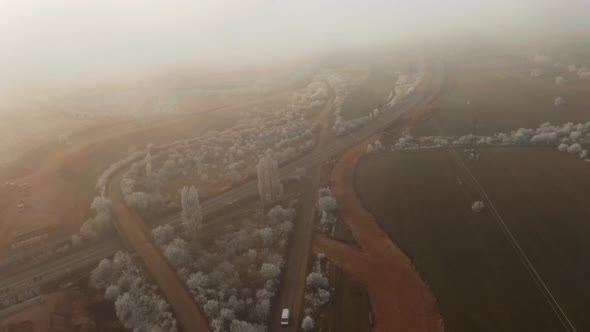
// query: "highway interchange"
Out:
[40,273]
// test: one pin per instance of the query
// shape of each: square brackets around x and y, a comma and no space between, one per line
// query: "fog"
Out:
[56,41]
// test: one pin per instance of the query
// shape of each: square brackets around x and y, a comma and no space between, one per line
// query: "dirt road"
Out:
[133,230]
[400,299]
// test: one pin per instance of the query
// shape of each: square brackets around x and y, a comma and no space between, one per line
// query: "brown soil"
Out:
[400,300]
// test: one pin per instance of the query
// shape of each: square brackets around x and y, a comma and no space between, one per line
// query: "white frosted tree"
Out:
[478,206]
[269,271]
[192,214]
[559,101]
[307,324]
[163,234]
[269,182]
[327,204]
[177,254]
[559,80]
[102,275]
[149,173]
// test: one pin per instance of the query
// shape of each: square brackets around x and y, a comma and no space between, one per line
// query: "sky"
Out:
[52,41]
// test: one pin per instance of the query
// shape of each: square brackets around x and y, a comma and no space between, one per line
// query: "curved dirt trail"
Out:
[133,230]
[400,299]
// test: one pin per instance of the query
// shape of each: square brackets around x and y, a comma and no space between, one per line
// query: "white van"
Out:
[285,317]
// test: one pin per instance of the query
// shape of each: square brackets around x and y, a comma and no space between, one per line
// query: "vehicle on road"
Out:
[285,317]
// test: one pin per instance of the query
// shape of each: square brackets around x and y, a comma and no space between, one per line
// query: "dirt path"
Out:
[133,230]
[400,299]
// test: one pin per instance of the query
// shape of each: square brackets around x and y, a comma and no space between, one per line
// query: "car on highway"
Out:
[285,317]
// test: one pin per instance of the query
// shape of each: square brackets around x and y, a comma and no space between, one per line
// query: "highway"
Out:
[43,272]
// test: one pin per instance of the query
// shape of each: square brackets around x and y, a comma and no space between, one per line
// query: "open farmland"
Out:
[503,96]
[422,199]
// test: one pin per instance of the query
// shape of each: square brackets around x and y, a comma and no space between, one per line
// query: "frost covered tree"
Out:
[270,188]
[327,204]
[112,292]
[559,80]
[269,271]
[375,147]
[307,324]
[575,148]
[559,101]
[192,214]
[163,234]
[101,276]
[177,253]
[149,173]
[93,228]
[478,206]
[137,305]
[316,280]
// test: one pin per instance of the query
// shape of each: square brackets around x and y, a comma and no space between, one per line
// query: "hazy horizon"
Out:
[56,41]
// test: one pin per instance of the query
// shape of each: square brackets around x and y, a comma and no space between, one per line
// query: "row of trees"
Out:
[234,276]
[376,146]
[566,137]
[100,224]
[137,304]
[312,97]
[327,207]
[230,156]
[317,293]
[404,86]
[581,71]
[226,157]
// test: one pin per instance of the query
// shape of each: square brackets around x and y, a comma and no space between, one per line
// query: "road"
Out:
[293,279]
[219,202]
[135,232]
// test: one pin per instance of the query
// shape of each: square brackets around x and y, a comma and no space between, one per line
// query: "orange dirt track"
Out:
[132,228]
[400,299]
